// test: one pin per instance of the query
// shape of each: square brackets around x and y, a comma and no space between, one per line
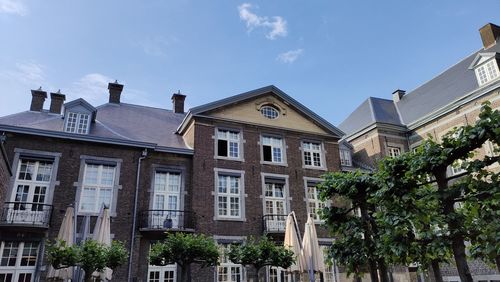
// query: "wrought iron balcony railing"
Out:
[274,223]
[27,214]
[167,220]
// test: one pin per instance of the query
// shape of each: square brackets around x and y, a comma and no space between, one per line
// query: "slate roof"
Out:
[115,123]
[372,110]
[451,85]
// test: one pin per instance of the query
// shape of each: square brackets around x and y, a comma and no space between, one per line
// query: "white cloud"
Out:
[156,45]
[28,74]
[16,7]
[92,87]
[276,26]
[290,56]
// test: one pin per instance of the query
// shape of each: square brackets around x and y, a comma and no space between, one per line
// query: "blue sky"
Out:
[329,55]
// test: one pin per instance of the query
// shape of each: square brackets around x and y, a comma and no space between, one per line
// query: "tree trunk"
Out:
[357,277]
[88,277]
[437,271]
[252,273]
[373,270]
[186,273]
[497,260]
[368,232]
[382,267]
[454,225]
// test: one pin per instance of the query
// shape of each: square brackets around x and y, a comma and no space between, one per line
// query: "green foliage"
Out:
[261,253]
[184,249]
[90,255]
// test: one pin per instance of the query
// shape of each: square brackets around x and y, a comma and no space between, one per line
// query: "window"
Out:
[491,149]
[77,123]
[166,200]
[394,151]
[272,149]
[229,194]
[313,154]
[28,200]
[18,260]
[278,274]
[456,167]
[166,273]
[97,187]
[275,208]
[269,112]
[227,271]
[487,72]
[330,270]
[345,157]
[314,204]
[228,143]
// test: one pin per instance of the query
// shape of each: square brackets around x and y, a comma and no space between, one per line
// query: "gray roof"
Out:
[257,92]
[372,110]
[116,123]
[451,85]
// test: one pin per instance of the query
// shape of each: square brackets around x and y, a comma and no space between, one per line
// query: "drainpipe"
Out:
[134,220]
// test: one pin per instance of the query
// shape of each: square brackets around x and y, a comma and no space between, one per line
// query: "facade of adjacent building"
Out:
[230,169]
[381,127]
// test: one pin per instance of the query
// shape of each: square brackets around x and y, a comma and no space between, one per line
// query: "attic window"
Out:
[269,112]
[487,72]
[77,123]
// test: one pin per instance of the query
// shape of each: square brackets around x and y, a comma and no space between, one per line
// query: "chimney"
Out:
[178,102]
[397,95]
[56,102]
[115,91]
[490,33]
[37,99]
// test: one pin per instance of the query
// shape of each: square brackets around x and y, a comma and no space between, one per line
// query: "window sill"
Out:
[314,167]
[230,219]
[273,163]
[229,159]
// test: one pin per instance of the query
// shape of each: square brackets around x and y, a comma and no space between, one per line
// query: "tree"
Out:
[90,255]
[356,235]
[185,249]
[258,254]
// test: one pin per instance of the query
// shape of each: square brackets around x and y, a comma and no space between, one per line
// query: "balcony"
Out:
[274,223]
[24,214]
[167,220]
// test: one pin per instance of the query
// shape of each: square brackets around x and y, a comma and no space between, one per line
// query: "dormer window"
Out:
[345,157]
[485,66]
[77,123]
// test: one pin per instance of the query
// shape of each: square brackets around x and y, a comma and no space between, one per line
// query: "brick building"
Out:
[230,169]
[387,127]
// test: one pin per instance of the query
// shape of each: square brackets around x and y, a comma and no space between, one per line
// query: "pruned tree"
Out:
[90,255]
[185,249]
[261,253]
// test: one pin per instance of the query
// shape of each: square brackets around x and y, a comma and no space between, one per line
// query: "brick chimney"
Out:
[178,102]
[37,99]
[397,95]
[490,34]
[115,91]
[56,101]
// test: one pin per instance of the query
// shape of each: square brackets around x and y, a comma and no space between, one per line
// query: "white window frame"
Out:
[99,187]
[161,272]
[394,151]
[487,72]
[345,157]
[456,168]
[17,269]
[268,112]
[225,263]
[311,151]
[281,146]
[172,190]
[78,123]
[318,204]
[240,195]
[239,143]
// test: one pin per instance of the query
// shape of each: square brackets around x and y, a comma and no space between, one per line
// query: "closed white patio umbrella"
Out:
[102,234]
[311,251]
[67,234]
[292,242]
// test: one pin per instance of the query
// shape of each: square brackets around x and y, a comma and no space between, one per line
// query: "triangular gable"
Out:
[270,94]
[482,57]
[81,104]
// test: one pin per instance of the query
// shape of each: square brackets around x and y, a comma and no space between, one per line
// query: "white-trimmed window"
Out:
[314,204]
[18,260]
[456,167]
[487,72]
[166,200]
[275,203]
[165,273]
[345,157]
[227,271]
[228,143]
[278,274]
[491,149]
[329,275]
[77,123]
[229,196]
[272,149]
[394,151]
[312,154]
[97,187]
[269,112]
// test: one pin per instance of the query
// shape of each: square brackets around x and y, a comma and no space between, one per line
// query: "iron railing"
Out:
[24,213]
[167,220]
[274,222]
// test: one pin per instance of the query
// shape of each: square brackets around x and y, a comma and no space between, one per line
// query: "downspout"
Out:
[134,220]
